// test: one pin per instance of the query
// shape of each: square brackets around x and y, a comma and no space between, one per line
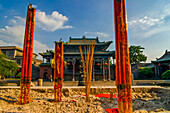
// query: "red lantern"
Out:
[98,64]
[159,64]
[68,63]
[105,64]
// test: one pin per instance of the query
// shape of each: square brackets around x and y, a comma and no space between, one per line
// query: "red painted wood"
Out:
[58,71]
[123,72]
[27,55]
[23,58]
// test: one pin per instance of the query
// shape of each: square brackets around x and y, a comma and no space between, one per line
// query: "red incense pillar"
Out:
[123,72]
[30,52]
[58,71]
[27,55]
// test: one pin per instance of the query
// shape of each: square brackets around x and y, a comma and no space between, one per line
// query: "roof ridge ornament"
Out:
[84,37]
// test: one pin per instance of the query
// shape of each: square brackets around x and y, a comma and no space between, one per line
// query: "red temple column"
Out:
[108,68]
[103,69]
[93,71]
[73,69]
[123,72]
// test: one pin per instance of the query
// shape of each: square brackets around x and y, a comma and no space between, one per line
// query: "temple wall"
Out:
[45,70]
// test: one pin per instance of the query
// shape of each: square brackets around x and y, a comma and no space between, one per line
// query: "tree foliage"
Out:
[136,54]
[146,72]
[7,67]
[166,75]
[18,75]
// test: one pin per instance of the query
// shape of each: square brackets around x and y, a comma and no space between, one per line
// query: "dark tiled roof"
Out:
[161,60]
[14,47]
[83,40]
[164,58]
[47,53]
[45,64]
[95,53]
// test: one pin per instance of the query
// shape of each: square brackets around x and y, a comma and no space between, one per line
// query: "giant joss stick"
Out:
[27,55]
[58,71]
[123,72]
[87,62]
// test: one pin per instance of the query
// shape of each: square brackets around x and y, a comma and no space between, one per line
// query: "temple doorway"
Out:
[45,76]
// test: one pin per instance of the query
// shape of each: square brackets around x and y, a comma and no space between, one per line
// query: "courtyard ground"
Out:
[146,100]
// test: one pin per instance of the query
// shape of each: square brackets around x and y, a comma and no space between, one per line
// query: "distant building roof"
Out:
[111,53]
[72,47]
[45,64]
[83,40]
[13,47]
[47,53]
[142,65]
[164,58]
[88,41]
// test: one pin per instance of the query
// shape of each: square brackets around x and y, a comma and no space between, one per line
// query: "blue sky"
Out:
[148,23]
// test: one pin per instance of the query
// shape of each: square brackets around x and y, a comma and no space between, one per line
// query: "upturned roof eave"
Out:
[95,53]
[161,60]
[100,43]
[108,44]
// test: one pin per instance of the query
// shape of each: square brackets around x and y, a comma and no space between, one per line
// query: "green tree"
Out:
[136,54]
[7,67]
[146,72]
[166,75]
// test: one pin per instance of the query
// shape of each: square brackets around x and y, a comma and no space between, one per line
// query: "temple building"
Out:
[15,53]
[162,64]
[101,59]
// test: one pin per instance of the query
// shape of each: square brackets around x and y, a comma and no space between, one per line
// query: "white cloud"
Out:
[145,22]
[166,10]
[148,33]
[34,6]
[40,47]
[145,17]
[97,34]
[14,35]
[154,22]
[151,56]
[5,16]
[51,22]
[17,20]
[102,34]
[2,43]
